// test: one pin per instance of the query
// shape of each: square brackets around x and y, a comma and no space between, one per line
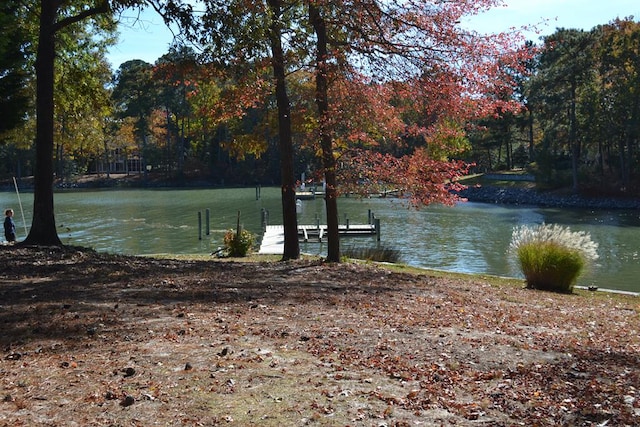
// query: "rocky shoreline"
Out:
[482,194]
[531,197]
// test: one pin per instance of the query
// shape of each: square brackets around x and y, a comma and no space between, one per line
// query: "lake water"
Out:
[470,237]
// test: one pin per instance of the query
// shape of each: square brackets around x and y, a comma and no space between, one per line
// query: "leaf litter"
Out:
[92,339]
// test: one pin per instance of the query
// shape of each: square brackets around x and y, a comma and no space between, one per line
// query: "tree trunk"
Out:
[506,134]
[43,226]
[532,156]
[289,214]
[573,140]
[328,161]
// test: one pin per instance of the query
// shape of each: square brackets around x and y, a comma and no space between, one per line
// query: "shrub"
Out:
[238,244]
[552,257]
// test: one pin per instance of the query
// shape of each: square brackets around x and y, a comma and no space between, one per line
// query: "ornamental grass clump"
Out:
[552,257]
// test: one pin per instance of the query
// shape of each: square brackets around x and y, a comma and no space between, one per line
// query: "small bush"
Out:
[552,257]
[238,244]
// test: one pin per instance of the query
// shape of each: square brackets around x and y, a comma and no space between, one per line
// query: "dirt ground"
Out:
[90,339]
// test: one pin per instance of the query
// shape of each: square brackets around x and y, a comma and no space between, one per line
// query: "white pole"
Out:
[24,223]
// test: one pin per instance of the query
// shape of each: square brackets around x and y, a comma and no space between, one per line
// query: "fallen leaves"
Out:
[208,343]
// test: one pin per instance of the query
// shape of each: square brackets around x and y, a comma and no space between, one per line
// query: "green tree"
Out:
[81,98]
[565,67]
[176,75]
[54,17]
[135,95]
[14,98]
[619,71]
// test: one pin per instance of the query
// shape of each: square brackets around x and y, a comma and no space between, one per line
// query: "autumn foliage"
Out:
[404,82]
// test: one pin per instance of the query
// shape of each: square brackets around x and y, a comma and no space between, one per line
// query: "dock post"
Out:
[369,217]
[207,215]
[347,222]
[263,219]
[199,225]
[377,227]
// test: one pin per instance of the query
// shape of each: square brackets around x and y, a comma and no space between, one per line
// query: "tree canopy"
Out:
[368,96]
[14,75]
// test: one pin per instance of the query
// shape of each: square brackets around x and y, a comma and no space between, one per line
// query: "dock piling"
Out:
[264,218]
[238,227]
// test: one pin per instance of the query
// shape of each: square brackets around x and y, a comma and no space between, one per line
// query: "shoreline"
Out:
[481,194]
[531,197]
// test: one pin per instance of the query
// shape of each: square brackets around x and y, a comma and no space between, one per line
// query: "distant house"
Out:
[119,161]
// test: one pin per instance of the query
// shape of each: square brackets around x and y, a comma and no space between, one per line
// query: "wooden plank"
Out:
[273,238]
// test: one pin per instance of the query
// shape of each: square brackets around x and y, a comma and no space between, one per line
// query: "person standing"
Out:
[9,226]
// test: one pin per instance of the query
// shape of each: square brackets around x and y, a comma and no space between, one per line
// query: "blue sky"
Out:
[148,38]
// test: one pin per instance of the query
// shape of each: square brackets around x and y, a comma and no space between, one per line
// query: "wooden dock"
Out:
[273,237]
[272,240]
[308,195]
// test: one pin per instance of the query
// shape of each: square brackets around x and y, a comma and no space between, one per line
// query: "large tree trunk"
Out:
[43,227]
[328,161]
[289,215]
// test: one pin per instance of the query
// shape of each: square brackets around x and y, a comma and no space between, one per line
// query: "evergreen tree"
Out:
[14,45]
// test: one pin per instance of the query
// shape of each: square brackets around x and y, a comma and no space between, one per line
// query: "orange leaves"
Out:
[420,177]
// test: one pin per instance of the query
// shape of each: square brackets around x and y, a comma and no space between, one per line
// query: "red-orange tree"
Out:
[442,76]
[434,75]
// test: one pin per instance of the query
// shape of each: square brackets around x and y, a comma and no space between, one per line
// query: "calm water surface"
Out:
[470,237]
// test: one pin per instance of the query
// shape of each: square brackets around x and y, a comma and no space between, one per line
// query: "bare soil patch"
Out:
[92,339]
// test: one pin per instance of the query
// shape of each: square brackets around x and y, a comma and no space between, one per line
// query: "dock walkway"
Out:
[273,237]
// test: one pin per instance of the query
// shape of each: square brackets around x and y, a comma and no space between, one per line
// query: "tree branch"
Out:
[103,7]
